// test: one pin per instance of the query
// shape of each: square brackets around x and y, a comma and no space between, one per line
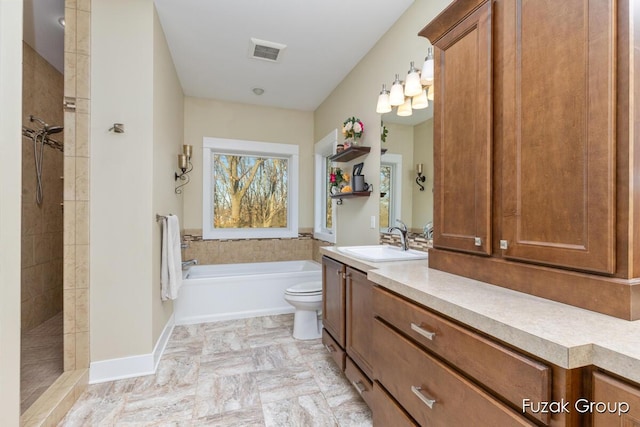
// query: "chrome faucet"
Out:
[189,262]
[403,234]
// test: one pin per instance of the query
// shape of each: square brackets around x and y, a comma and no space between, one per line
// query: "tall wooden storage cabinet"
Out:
[535,145]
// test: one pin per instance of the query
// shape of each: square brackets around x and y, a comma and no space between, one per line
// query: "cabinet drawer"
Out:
[386,411]
[359,380]
[616,403]
[337,354]
[511,375]
[432,393]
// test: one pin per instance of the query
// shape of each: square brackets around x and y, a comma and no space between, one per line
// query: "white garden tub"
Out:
[235,291]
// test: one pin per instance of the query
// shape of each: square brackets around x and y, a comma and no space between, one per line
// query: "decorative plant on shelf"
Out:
[383,132]
[352,129]
[339,181]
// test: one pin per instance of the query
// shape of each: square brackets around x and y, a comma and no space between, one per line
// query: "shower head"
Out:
[53,129]
[46,129]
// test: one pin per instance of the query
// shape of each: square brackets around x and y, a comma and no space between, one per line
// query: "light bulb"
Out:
[397,92]
[404,110]
[420,101]
[427,69]
[412,86]
[383,101]
[430,94]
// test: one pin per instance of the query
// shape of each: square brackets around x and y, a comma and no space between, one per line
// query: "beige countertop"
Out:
[567,336]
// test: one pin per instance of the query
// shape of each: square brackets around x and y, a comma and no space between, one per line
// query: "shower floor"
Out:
[41,358]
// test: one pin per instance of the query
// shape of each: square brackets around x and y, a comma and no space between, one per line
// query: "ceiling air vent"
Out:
[267,51]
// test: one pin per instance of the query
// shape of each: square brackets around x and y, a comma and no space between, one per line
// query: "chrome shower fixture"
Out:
[40,139]
[48,130]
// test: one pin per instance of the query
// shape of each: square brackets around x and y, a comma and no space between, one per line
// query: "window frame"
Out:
[322,149]
[228,146]
[394,161]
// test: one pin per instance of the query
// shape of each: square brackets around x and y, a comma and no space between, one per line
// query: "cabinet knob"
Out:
[477,241]
[329,348]
[504,244]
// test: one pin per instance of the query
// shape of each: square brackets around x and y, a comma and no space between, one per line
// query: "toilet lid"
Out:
[305,288]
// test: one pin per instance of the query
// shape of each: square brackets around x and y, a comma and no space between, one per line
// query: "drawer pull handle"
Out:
[330,348]
[427,334]
[418,392]
[359,386]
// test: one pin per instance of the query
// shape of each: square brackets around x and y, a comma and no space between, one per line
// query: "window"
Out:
[250,189]
[390,190]
[324,212]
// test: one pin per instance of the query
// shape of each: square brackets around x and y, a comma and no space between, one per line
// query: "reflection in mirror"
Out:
[409,141]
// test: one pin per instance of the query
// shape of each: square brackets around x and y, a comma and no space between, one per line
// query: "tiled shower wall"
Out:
[77,78]
[250,250]
[41,283]
[58,399]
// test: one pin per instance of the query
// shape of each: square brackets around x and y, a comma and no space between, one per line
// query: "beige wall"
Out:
[42,90]
[357,95]
[122,215]
[214,118]
[10,160]
[135,83]
[423,153]
[168,128]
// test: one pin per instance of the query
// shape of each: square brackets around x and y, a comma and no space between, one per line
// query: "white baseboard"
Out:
[132,366]
[190,320]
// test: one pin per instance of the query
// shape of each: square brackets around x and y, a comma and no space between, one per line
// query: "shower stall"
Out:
[42,226]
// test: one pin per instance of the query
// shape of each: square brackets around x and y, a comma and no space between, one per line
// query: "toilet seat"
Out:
[306,288]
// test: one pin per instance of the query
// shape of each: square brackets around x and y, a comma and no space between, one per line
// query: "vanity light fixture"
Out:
[412,85]
[420,178]
[185,165]
[427,69]
[405,110]
[383,101]
[412,94]
[420,101]
[397,93]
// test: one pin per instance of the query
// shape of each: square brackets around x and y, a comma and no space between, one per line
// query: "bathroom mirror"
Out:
[409,141]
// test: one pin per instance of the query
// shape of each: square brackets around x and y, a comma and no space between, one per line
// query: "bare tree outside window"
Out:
[385,195]
[249,191]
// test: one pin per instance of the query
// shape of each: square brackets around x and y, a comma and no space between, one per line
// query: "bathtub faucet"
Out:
[189,262]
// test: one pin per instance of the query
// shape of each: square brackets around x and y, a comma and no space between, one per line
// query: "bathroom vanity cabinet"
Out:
[347,321]
[536,192]
[427,348]
[443,373]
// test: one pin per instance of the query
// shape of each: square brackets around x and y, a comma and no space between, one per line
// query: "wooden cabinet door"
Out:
[557,78]
[613,404]
[462,135]
[359,319]
[333,299]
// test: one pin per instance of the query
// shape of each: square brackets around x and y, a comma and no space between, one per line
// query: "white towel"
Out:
[171,264]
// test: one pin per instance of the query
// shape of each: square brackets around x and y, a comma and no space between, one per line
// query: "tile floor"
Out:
[247,372]
[41,359]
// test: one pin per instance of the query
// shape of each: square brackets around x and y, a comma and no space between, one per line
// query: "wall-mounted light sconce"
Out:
[185,165]
[420,178]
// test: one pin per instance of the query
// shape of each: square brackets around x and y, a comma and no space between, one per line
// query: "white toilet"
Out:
[307,299]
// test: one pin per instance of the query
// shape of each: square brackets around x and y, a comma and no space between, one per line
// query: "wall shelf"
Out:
[341,196]
[350,153]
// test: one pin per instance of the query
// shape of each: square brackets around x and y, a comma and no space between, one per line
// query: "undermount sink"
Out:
[382,253]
